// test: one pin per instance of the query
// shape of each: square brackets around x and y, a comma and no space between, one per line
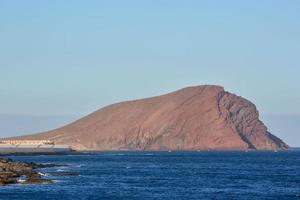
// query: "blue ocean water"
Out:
[167,175]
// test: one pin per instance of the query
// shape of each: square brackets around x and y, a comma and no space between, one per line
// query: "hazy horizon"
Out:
[60,61]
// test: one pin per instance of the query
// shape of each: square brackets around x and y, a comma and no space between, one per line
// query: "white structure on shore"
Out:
[31,146]
[27,142]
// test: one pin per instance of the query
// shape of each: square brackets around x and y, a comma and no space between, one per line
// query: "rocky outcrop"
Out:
[243,117]
[194,118]
[11,171]
[36,181]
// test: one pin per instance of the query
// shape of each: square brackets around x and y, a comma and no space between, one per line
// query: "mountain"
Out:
[194,118]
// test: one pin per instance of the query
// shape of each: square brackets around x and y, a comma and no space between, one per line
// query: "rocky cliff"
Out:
[194,118]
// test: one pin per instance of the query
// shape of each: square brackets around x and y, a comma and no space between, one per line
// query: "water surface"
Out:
[167,175]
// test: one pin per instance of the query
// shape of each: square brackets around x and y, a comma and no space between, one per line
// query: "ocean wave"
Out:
[43,174]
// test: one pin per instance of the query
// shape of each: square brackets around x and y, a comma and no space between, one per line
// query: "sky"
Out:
[60,60]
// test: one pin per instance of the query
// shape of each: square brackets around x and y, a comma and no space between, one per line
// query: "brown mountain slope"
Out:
[194,118]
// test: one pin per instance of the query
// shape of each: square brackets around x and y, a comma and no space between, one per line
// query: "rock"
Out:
[7,178]
[195,118]
[36,181]
[11,170]
[34,176]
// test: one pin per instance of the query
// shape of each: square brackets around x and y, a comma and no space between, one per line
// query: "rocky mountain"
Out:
[194,118]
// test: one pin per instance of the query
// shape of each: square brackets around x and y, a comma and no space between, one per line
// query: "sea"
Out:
[166,175]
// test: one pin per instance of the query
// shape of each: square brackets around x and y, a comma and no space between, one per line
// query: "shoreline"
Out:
[138,151]
[38,154]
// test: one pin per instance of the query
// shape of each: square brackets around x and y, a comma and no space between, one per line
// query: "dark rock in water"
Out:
[34,176]
[11,171]
[36,181]
[7,178]
[15,167]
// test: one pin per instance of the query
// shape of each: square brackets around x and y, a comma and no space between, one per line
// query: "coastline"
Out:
[85,152]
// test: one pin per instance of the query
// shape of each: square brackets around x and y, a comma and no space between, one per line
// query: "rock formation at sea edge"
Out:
[11,171]
[195,118]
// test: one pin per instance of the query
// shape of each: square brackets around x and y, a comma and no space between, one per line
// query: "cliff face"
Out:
[194,118]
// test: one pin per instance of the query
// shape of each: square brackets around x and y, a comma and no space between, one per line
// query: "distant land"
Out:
[195,118]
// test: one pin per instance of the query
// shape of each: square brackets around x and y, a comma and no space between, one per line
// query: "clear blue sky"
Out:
[69,58]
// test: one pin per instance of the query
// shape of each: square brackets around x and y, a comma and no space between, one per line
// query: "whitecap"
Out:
[42,174]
